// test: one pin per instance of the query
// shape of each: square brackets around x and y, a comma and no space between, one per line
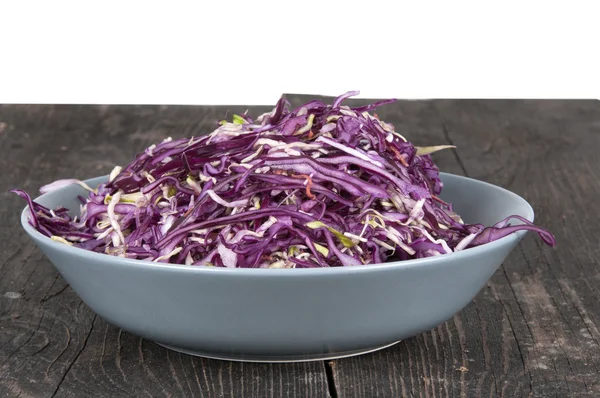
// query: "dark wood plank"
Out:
[533,331]
[545,151]
[50,342]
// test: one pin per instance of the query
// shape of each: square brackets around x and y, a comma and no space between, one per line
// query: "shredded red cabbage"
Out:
[317,186]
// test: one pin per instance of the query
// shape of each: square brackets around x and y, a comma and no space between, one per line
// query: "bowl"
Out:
[285,315]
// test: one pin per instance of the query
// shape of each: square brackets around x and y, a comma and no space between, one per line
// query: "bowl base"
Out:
[277,358]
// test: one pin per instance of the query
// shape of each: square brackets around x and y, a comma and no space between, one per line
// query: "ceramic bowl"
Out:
[282,315]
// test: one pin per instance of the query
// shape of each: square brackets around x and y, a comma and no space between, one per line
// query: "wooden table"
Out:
[532,331]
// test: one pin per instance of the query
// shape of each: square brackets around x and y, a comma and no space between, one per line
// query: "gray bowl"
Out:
[282,315]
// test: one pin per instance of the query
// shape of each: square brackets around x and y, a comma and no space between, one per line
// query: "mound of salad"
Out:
[316,186]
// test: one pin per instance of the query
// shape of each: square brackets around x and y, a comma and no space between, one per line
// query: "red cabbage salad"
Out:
[316,186]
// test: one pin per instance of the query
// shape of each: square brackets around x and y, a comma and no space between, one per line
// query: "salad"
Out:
[321,185]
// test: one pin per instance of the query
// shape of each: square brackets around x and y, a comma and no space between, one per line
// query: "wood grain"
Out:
[51,344]
[532,331]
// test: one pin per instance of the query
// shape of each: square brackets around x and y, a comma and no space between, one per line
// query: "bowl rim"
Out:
[265,272]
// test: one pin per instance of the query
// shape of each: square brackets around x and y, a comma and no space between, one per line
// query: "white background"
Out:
[249,52]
